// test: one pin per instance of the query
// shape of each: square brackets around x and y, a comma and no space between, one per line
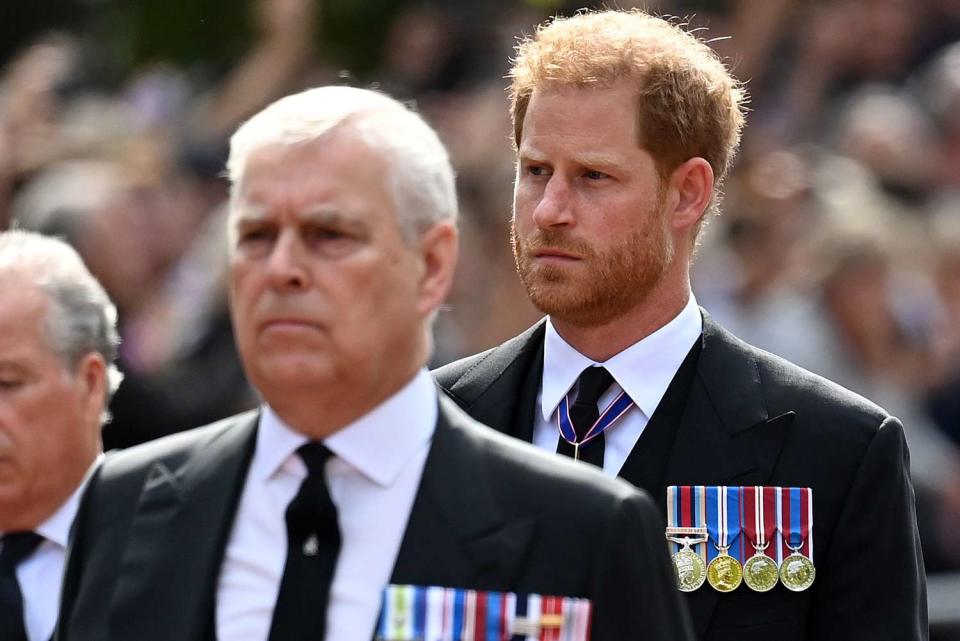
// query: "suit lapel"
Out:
[501,391]
[173,555]
[725,435]
[444,542]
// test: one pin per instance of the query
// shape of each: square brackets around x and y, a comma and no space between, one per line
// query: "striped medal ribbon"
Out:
[797,571]
[724,571]
[760,572]
[415,613]
[612,413]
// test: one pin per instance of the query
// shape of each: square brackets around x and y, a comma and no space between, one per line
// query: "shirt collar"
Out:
[643,370]
[57,527]
[379,444]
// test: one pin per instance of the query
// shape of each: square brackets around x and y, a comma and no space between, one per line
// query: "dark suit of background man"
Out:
[625,126]
[287,523]
[58,340]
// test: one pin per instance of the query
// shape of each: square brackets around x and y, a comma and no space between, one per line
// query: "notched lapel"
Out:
[498,557]
[456,535]
[764,441]
[169,567]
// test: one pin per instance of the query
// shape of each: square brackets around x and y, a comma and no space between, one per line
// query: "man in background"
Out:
[58,341]
[625,126]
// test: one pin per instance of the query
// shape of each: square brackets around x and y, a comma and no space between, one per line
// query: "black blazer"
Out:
[746,417]
[490,514]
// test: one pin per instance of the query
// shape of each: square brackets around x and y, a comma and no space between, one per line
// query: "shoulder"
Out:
[829,424]
[536,481]
[786,386]
[480,370]
[173,451]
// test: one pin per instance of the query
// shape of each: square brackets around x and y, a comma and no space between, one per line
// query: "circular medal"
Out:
[797,572]
[760,573]
[691,570]
[724,573]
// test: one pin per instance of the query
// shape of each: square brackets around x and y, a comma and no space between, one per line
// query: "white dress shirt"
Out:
[644,370]
[40,575]
[373,479]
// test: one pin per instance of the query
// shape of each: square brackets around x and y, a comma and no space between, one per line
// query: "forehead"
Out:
[602,117]
[339,172]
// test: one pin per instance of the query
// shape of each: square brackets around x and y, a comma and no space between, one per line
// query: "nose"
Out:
[287,266]
[554,208]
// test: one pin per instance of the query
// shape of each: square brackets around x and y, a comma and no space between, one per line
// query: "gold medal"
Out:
[797,572]
[760,572]
[724,572]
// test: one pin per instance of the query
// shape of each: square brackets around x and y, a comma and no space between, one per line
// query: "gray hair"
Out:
[422,178]
[82,318]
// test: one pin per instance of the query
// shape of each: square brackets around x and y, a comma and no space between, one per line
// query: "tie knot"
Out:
[17,546]
[314,455]
[594,381]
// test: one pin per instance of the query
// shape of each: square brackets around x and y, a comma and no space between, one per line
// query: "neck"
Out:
[602,341]
[319,415]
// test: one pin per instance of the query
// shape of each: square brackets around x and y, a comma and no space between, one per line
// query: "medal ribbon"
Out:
[552,606]
[687,507]
[796,522]
[760,516]
[610,415]
[723,519]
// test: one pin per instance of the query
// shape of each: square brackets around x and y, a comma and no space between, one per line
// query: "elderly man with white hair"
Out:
[355,502]
[58,341]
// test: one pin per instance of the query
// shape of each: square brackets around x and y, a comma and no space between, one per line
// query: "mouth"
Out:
[557,256]
[289,325]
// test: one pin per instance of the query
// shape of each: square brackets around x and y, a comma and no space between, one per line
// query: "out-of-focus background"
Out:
[838,246]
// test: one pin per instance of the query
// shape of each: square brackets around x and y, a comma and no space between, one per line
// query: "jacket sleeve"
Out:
[634,587]
[874,586]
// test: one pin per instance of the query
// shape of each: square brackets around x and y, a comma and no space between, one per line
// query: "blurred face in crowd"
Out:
[590,235]
[329,300]
[49,412]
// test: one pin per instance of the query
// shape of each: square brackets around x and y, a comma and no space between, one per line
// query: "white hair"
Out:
[82,319]
[420,171]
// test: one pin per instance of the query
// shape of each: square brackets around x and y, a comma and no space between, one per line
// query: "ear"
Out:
[92,379]
[439,247]
[692,182]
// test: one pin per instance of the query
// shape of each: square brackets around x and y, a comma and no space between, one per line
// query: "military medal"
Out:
[689,566]
[797,571]
[760,572]
[723,522]
[686,519]
[612,413]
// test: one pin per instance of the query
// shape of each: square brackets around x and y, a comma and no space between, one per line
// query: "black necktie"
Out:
[16,547]
[594,381]
[313,540]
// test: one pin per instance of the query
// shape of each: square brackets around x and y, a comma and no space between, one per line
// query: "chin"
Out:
[290,373]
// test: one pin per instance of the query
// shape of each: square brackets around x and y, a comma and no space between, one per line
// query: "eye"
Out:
[594,175]
[8,383]
[248,234]
[323,234]
[535,170]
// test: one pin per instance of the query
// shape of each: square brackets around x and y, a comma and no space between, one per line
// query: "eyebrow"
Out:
[598,159]
[256,214]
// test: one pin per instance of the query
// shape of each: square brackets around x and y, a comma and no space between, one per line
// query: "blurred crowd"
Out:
[838,246]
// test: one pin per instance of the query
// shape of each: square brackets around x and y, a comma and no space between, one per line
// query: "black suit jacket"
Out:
[490,514]
[750,418]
